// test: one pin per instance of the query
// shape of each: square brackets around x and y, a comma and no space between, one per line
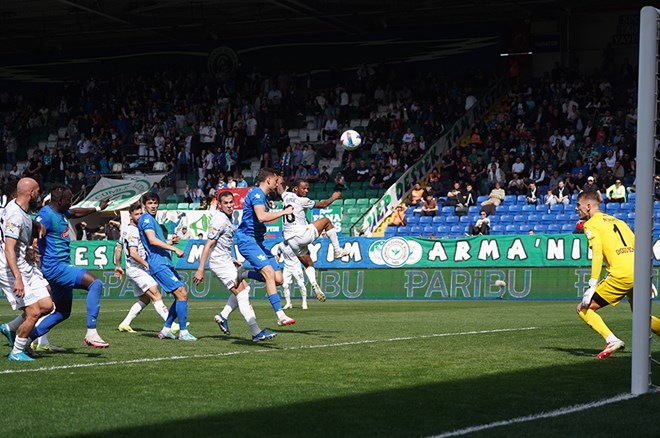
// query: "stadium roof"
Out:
[34,27]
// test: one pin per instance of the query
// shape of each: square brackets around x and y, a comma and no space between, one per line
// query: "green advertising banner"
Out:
[400,284]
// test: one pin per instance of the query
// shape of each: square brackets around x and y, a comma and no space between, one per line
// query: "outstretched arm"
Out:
[330,200]
[81,212]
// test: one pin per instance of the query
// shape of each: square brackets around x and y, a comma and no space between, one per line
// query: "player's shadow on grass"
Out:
[582,352]
[424,409]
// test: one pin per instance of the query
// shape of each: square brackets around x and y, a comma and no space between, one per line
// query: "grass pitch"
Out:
[346,368]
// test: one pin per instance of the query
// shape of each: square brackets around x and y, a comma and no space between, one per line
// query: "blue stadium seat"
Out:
[620,215]
[632,197]
[463,220]
[447,210]
[438,220]
[515,209]
[631,216]
[443,230]
[524,229]
[548,219]
[474,209]
[509,199]
[520,219]
[412,220]
[554,229]
[497,229]
[557,208]
[415,230]
[428,230]
[425,221]
[627,206]
[389,232]
[494,219]
[506,219]
[528,208]
[458,230]
[403,231]
[481,199]
[541,208]
[567,228]
[574,198]
[521,200]
[511,229]
[451,220]
[540,228]
[612,207]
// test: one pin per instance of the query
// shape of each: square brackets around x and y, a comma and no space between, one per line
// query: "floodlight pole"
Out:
[646,118]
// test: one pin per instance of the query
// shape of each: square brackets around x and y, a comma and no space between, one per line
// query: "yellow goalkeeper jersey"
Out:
[611,241]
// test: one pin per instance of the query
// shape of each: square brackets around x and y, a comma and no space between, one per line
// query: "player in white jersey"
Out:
[145,287]
[298,232]
[292,270]
[217,250]
[23,285]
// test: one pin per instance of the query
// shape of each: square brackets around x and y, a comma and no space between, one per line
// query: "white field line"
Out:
[220,305]
[235,353]
[551,414]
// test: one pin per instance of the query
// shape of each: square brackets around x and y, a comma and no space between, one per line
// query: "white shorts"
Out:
[301,239]
[226,273]
[141,280]
[290,274]
[36,288]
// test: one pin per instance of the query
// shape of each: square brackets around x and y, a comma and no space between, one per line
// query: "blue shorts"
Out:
[256,253]
[168,279]
[63,279]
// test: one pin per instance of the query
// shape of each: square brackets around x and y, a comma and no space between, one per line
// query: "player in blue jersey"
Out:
[57,270]
[250,238]
[161,267]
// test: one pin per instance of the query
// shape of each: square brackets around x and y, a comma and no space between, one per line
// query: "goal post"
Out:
[647,105]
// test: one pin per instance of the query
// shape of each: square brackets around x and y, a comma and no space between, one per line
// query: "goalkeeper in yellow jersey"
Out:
[611,241]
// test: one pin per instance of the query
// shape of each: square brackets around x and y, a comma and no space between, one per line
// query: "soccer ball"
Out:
[351,140]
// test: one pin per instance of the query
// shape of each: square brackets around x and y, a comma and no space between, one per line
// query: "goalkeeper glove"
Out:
[589,293]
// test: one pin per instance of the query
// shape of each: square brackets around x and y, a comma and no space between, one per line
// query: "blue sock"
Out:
[171,316]
[48,323]
[182,312]
[94,302]
[275,302]
[256,275]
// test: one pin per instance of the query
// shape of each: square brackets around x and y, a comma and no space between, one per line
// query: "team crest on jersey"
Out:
[261,257]
[257,196]
[65,233]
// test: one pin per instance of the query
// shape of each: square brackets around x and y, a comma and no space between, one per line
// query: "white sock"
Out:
[15,323]
[166,330]
[303,289]
[161,309]
[42,340]
[183,332]
[133,312]
[332,235]
[281,314]
[247,311]
[611,338]
[19,345]
[232,303]
[311,274]
[287,293]
[91,332]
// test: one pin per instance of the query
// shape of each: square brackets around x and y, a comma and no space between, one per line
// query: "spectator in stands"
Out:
[313,173]
[350,173]
[562,193]
[301,172]
[363,171]
[330,129]
[398,216]
[429,206]
[533,193]
[309,155]
[82,232]
[241,183]
[324,176]
[340,182]
[616,192]
[469,196]
[454,196]
[417,195]
[495,198]
[495,175]
[184,233]
[481,226]
[591,186]
[517,185]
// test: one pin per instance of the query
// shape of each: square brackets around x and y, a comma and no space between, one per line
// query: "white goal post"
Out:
[647,106]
